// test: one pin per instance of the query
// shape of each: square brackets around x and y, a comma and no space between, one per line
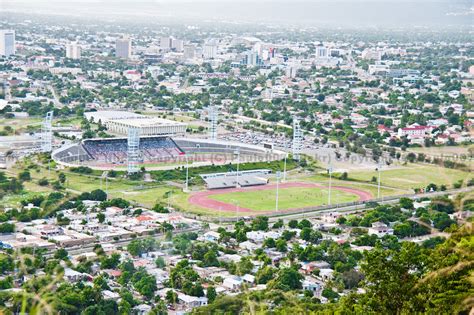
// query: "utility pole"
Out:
[220,216]
[330,183]
[284,168]
[107,186]
[278,174]
[186,188]
[236,207]
[378,186]
[169,199]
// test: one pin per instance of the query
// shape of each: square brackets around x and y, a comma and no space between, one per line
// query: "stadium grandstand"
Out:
[162,151]
[114,151]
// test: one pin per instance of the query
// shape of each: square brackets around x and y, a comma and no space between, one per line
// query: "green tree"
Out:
[211,294]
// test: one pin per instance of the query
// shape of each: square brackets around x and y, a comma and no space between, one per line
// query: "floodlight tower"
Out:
[133,150]
[297,139]
[47,133]
[213,116]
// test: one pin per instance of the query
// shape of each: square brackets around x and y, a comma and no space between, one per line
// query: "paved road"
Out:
[76,250]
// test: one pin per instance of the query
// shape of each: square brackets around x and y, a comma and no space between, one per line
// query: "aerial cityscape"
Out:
[236,157]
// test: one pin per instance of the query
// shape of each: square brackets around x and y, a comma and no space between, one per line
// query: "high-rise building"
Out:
[7,43]
[321,52]
[177,44]
[73,51]
[209,51]
[123,47]
[165,42]
[189,51]
[251,58]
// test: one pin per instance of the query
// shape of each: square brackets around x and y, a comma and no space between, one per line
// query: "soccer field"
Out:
[289,198]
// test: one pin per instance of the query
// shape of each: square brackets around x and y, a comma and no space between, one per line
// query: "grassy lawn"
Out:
[78,182]
[20,125]
[147,197]
[289,198]
[370,187]
[414,176]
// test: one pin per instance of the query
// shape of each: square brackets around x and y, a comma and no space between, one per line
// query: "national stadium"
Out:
[159,144]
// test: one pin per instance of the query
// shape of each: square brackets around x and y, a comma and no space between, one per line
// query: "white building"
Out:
[380,229]
[209,50]
[378,68]
[291,71]
[189,51]
[321,52]
[415,131]
[232,283]
[177,44]
[120,122]
[123,48]
[7,43]
[73,51]
[165,42]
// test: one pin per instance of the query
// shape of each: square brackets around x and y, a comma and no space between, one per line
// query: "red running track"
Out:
[202,199]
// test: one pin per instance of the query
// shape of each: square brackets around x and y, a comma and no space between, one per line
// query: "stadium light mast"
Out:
[297,139]
[133,150]
[47,133]
[238,166]
[284,167]
[213,116]
[186,187]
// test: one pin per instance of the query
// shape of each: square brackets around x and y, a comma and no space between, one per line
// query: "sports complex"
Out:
[229,192]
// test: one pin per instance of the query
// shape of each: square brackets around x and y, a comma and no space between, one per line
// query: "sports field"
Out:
[263,198]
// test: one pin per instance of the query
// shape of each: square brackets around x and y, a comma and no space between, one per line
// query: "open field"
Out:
[414,176]
[288,198]
[263,198]
[444,150]
[20,125]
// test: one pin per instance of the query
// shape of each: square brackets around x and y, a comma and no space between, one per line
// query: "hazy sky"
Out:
[334,13]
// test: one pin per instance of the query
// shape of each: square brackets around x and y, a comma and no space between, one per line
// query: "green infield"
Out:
[289,198]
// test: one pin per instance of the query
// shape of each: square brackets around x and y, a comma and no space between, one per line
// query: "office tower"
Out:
[321,52]
[7,43]
[209,50]
[291,70]
[251,59]
[165,42]
[73,51]
[123,47]
[177,44]
[189,51]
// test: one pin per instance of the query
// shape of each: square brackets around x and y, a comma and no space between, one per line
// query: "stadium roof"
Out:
[106,115]
[130,119]
[230,180]
[150,122]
